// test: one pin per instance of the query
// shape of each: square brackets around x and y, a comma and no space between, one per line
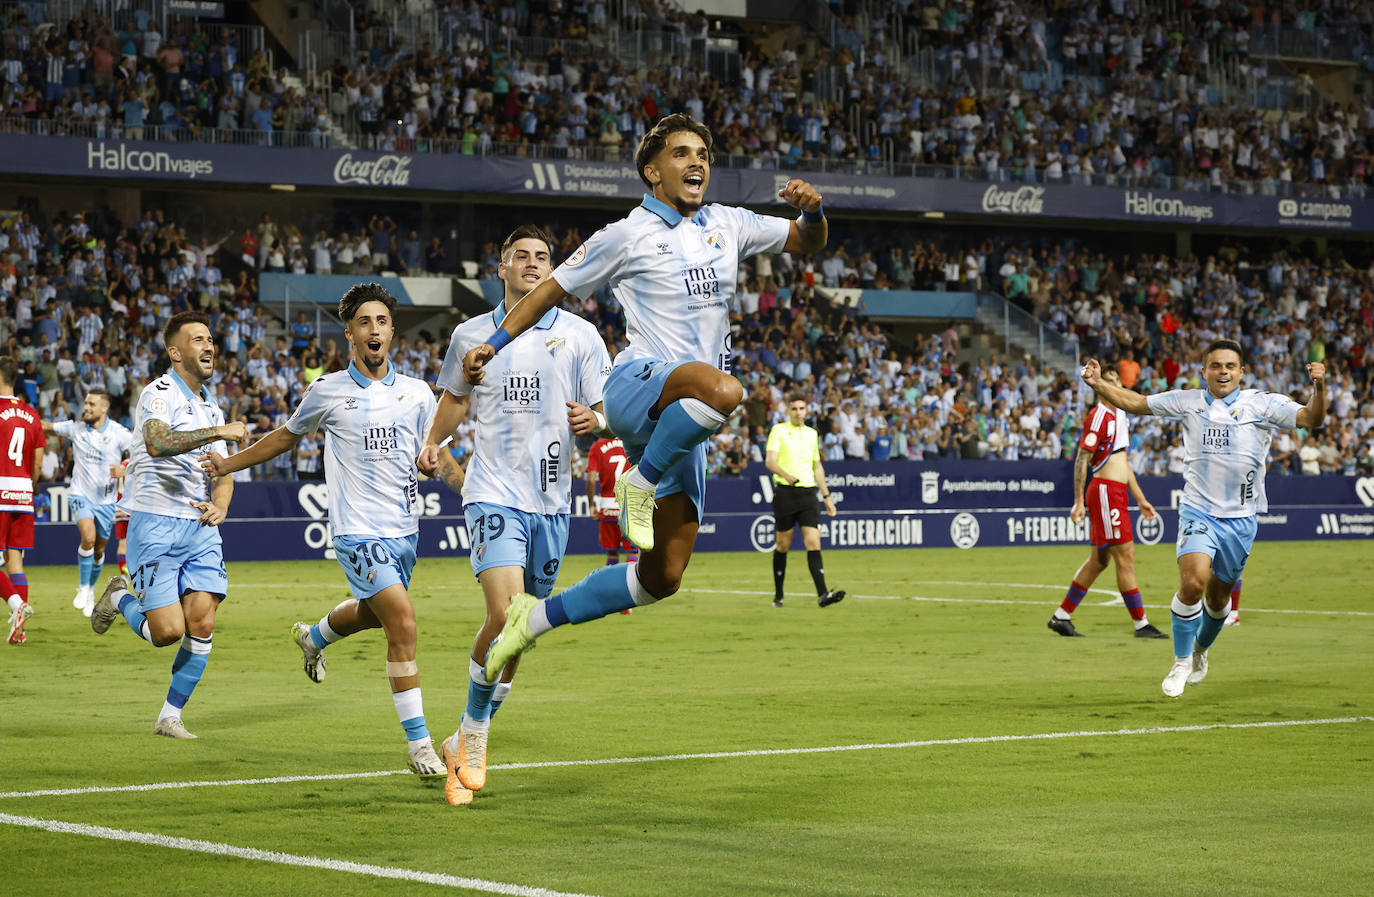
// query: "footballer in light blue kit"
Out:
[374,421]
[176,575]
[517,495]
[671,263]
[98,446]
[1226,436]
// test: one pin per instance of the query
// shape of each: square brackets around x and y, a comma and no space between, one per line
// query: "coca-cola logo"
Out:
[384,171]
[1022,201]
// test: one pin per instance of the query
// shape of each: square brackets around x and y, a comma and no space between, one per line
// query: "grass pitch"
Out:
[939,802]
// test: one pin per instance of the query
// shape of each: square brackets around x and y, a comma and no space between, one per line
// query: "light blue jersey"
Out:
[673,276]
[1226,445]
[522,458]
[95,451]
[167,486]
[374,430]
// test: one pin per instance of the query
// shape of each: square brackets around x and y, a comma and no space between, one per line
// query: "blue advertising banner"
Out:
[940,504]
[240,164]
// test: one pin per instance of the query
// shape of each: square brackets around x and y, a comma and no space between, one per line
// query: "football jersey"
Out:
[607,459]
[673,276]
[1226,445]
[169,484]
[523,443]
[1105,433]
[21,432]
[373,433]
[94,452]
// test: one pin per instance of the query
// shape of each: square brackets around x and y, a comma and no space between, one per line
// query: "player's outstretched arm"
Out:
[810,232]
[519,319]
[213,512]
[1314,412]
[163,442]
[1125,399]
[265,449]
[451,411]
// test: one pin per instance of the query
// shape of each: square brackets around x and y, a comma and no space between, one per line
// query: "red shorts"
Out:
[611,537]
[16,529]
[1109,519]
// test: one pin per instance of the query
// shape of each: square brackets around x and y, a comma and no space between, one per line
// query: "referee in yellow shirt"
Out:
[794,458]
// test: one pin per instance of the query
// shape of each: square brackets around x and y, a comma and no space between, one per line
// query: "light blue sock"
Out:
[322,634]
[682,426]
[1185,626]
[137,620]
[84,563]
[187,668]
[603,592]
[1211,626]
[97,564]
[480,693]
[410,709]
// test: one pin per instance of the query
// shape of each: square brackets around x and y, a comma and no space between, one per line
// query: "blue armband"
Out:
[499,339]
[813,217]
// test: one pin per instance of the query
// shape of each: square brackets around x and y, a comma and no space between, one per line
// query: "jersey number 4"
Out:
[16,449]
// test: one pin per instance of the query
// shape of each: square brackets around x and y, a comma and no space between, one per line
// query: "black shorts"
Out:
[793,505]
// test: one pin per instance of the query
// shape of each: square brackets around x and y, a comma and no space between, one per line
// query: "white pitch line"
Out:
[715,755]
[282,859]
[1248,609]
[963,582]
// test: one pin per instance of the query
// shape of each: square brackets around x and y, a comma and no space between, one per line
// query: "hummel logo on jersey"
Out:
[350,403]
[664,249]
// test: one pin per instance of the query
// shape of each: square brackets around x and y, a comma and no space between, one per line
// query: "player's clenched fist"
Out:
[799,194]
[474,360]
[428,462]
[1092,372]
[1317,371]
[234,431]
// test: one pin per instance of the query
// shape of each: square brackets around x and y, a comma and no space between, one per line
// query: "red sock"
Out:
[7,588]
[1235,597]
[19,582]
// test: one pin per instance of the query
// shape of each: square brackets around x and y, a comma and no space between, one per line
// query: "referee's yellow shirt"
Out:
[798,448]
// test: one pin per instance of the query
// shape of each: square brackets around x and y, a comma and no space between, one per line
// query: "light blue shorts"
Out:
[505,537]
[372,563]
[630,394]
[1226,540]
[103,515]
[170,556]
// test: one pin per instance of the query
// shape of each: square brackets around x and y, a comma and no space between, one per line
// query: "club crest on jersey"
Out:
[715,239]
[554,344]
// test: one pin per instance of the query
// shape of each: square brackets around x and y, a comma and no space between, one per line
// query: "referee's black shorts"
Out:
[793,505]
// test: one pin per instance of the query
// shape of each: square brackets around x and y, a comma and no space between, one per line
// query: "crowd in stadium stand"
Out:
[84,298]
[1127,101]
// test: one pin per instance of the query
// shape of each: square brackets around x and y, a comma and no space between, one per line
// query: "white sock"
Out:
[473,725]
[1061,614]
[15,602]
[539,620]
[169,712]
[1142,622]
[636,479]
[419,743]
[501,692]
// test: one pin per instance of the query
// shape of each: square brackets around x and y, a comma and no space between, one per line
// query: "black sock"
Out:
[813,560]
[779,573]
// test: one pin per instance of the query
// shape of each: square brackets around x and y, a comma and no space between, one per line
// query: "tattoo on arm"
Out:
[163,441]
[450,474]
[1080,474]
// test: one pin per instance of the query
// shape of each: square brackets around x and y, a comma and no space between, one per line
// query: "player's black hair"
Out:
[796,397]
[653,142]
[180,320]
[527,232]
[1226,344]
[364,292]
[9,370]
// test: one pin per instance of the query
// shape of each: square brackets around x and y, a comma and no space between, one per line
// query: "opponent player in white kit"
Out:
[1226,436]
[671,264]
[1105,502]
[176,576]
[98,445]
[374,421]
[544,388]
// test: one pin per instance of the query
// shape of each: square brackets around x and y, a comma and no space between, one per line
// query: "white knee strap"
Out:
[401,669]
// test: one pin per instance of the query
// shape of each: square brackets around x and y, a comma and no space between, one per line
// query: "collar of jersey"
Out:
[671,216]
[364,381]
[186,390]
[1228,400]
[498,314]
